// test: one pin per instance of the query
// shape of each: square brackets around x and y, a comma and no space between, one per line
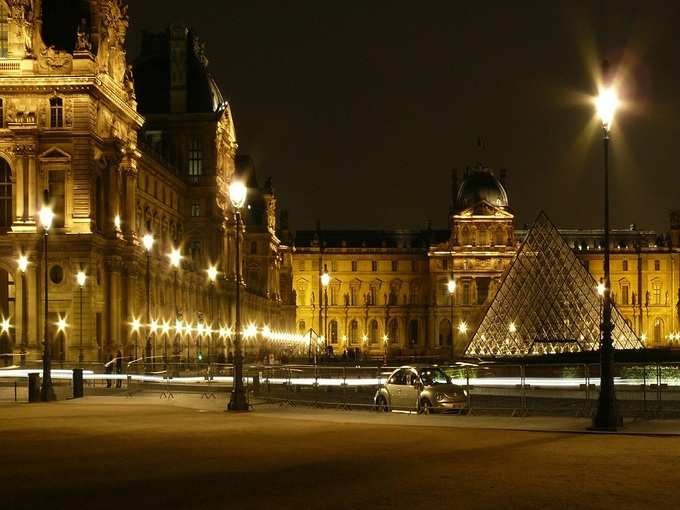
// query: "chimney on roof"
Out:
[177,35]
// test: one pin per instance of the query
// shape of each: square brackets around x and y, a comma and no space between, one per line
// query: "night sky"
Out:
[360,109]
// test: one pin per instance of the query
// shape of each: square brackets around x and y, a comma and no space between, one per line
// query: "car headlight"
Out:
[440,396]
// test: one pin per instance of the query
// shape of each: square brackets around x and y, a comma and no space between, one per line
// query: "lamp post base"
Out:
[606,418]
[238,402]
[47,394]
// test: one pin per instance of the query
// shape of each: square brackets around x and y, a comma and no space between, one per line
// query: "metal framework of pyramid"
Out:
[547,303]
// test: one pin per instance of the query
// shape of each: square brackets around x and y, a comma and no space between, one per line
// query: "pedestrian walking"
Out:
[119,368]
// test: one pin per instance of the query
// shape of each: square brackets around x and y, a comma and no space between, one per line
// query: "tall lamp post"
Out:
[81,277]
[451,287]
[22,263]
[238,402]
[325,280]
[46,216]
[175,258]
[212,278]
[148,241]
[606,416]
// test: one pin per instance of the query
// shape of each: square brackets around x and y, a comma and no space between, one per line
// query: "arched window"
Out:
[393,331]
[413,332]
[658,330]
[444,333]
[373,332]
[4,31]
[5,194]
[56,112]
[333,332]
[353,332]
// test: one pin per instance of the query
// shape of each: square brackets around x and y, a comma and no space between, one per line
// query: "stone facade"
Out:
[117,167]
[391,287]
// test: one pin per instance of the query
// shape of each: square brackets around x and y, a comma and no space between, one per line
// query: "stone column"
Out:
[19,185]
[32,189]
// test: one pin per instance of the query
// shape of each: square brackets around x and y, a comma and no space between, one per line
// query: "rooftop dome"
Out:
[481,185]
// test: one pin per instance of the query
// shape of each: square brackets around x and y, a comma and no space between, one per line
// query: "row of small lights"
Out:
[201,329]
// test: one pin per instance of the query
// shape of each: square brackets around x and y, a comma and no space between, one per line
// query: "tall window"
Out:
[2,113]
[373,332]
[373,296]
[334,295]
[656,287]
[4,32]
[5,194]
[658,330]
[444,333]
[353,296]
[56,112]
[624,265]
[374,265]
[413,332]
[333,332]
[466,293]
[57,187]
[195,208]
[353,332]
[624,294]
[394,331]
[394,266]
[195,160]
[354,266]
[657,265]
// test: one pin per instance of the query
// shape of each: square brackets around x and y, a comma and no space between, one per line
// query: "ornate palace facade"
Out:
[121,158]
[388,290]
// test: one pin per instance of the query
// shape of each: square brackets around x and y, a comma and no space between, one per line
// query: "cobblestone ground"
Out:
[138,453]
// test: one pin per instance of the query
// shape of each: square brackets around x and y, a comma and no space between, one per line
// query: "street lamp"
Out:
[325,280]
[46,216]
[22,264]
[148,241]
[175,257]
[606,417]
[212,278]
[451,287]
[238,402]
[80,278]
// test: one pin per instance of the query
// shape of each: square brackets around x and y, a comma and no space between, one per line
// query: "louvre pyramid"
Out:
[547,303]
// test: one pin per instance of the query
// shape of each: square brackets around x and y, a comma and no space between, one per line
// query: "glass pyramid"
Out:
[547,303]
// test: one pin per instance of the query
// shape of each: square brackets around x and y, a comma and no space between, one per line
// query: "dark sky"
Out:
[360,109]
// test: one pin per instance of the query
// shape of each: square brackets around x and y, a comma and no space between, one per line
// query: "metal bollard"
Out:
[78,383]
[34,387]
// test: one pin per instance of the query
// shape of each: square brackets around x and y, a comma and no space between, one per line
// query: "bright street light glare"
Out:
[237,194]
[81,277]
[46,216]
[147,240]
[606,105]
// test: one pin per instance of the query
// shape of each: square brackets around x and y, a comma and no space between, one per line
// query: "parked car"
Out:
[424,388]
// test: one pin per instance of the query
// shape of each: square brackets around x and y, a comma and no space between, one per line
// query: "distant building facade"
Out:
[124,151]
[388,291]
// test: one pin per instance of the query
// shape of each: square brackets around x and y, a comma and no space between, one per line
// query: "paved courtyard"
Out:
[143,453]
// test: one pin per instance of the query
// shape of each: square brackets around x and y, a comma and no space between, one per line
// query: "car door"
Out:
[394,386]
[411,391]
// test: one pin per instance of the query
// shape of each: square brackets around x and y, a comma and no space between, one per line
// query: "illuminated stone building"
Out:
[124,151]
[388,290]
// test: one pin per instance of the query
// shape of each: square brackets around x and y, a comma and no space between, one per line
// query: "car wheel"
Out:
[425,407]
[381,404]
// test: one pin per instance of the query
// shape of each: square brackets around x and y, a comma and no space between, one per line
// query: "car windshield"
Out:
[431,376]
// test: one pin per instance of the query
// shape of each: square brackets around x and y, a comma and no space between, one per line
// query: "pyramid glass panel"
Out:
[551,301]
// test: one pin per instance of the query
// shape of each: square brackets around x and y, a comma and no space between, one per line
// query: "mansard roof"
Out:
[417,240]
